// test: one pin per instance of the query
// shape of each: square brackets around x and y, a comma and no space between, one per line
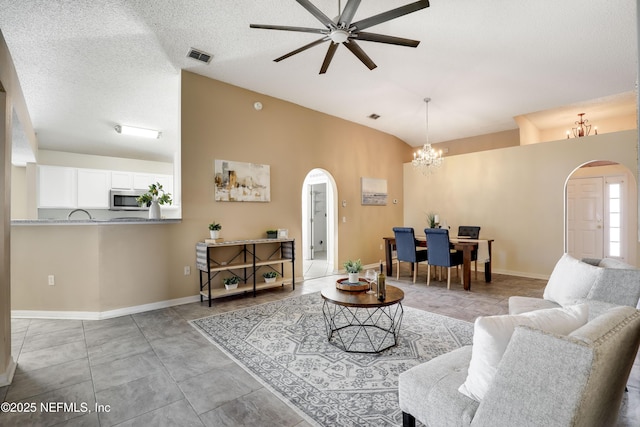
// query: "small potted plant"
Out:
[432,220]
[272,234]
[154,198]
[214,229]
[353,268]
[231,282]
[270,276]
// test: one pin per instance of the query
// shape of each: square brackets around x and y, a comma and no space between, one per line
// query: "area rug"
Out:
[284,345]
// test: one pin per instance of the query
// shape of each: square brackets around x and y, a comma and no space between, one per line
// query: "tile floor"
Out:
[154,369]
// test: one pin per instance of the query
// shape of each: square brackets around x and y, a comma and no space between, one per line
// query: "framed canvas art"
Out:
[374,191]
[241,182]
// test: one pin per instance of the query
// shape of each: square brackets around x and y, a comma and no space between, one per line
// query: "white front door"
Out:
[585,217]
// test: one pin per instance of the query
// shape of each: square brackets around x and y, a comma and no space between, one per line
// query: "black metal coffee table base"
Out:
[362,329]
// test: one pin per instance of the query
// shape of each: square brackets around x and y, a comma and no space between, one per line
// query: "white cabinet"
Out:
[122,180]
[64,187]
[93,188]
[142,181]
[57,187]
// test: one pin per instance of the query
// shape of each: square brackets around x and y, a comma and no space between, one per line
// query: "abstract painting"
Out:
[241,182]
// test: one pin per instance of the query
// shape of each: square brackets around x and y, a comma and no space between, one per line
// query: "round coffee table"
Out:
[357,322]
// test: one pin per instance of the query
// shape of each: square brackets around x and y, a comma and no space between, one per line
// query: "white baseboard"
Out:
[7,376]
[99,315]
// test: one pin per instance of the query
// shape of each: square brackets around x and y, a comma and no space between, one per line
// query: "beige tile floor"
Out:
[153,369]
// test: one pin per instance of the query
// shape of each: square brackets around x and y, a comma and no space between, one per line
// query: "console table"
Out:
[245,259]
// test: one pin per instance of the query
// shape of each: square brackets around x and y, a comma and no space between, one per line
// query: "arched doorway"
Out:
[600,211]
[319,224]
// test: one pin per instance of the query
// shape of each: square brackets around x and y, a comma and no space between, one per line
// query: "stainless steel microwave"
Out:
[125,200]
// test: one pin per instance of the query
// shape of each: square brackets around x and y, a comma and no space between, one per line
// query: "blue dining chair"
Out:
[407,251]
[440,254]
[472,232]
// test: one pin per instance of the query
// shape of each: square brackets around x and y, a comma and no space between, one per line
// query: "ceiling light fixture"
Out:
[582,128]
[427,159]
[133,131]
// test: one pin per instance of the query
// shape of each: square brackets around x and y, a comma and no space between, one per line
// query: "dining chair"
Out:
[472,232]
[407,251]
[440,254]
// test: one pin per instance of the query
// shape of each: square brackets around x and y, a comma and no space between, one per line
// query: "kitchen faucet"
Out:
[79,210]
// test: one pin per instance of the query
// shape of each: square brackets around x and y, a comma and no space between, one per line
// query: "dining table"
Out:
[461,243]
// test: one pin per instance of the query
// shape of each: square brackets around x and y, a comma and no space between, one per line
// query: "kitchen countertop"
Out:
[112,221]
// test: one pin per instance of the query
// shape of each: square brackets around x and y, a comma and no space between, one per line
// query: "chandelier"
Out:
[582,128]
[427,159]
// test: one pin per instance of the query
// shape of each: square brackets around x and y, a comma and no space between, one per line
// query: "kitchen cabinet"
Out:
[93,188]
[57,187]
[142,181]
[121,180]
[246,259]
[62,187]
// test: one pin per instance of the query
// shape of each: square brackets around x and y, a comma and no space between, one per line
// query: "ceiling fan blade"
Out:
[301,49]
[317,13]
[391,14]
[348,12]
[286,28]
[357,51]
[381,38]
[328,57]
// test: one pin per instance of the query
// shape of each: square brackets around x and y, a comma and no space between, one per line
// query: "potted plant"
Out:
[231,282]
[272,234]
[270,276]
[353,268]
[214,229]
[154,198]
[432,220]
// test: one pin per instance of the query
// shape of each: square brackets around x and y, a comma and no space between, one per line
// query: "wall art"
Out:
[374,191]
[241,182]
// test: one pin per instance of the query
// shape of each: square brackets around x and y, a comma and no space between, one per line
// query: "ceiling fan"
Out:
[343,31]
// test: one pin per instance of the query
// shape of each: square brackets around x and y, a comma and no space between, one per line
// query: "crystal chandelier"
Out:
[582,128]
[427,159]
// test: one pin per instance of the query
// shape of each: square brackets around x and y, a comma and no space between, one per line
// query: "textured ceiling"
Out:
[86,65]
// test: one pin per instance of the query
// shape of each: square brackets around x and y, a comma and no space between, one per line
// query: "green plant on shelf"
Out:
[233,280]
[215,226]
[270,274]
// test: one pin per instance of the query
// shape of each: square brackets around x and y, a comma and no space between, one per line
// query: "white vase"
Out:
[215,234]
[269,279]
[353,278]
[154,210]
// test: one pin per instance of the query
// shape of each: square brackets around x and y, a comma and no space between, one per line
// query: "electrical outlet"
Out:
[381,246]
[187,270]
[52,280]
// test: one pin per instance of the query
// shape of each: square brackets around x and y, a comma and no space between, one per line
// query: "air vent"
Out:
[199,55]
[374,116]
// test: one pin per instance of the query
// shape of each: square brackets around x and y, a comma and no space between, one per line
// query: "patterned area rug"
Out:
[284,345]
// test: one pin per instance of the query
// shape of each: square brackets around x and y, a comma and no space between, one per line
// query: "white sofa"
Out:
[601,283]
[538,378]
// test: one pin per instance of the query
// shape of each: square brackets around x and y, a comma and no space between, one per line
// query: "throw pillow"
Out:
[570,281]
[492,334]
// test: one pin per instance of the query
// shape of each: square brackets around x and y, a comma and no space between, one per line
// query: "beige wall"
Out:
[515,194]
[219,122]
[19,206]
[97,268]
[491,141]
